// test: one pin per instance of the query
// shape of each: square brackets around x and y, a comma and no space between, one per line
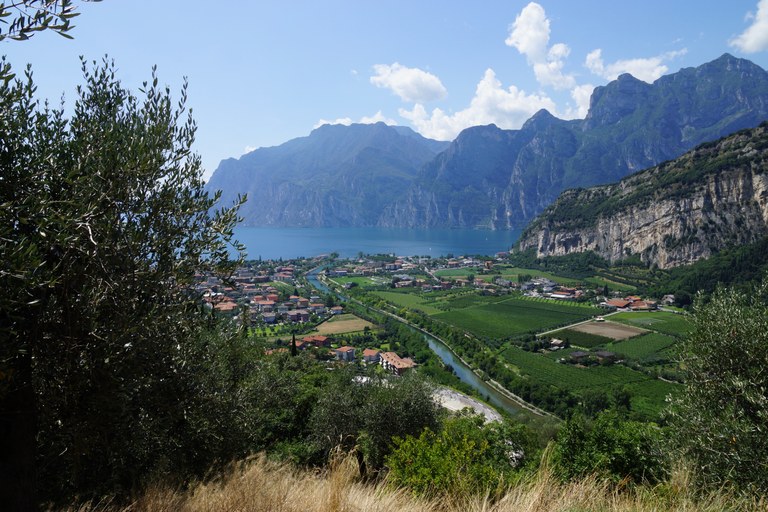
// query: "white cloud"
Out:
[581,94]
[410,84]
[248,149]
[530,35]
[646,69]
[506,108]
[375,118]
[755,37]
[530,32]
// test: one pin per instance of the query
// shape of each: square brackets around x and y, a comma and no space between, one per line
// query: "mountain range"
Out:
[379,175]
[678,212]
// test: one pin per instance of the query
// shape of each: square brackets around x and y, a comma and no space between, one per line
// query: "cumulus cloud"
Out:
[581,94]
[410,84]
[755,37]
[507,108]
[529,34]
[646,69]
[375,118]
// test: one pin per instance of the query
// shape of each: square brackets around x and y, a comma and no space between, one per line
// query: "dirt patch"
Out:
[349,323]
[609,330]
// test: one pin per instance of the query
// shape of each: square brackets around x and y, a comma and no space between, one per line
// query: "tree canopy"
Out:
[720,421]
[104,224]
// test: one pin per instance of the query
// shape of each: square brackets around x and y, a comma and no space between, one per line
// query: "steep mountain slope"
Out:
[337,176]
[678,212]
[501,179]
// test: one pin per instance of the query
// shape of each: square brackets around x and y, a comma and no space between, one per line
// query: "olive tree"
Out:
[104,225]
[720,420]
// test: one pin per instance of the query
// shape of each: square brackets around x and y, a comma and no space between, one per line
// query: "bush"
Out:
[720,420]
[464,458]
[609,447]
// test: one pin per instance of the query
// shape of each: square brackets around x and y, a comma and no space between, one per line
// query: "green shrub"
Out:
[466,457]
[610,447]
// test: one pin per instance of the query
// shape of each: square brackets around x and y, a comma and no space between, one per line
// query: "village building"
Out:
[317,340]
[345,353]
[371,355]
[390,361]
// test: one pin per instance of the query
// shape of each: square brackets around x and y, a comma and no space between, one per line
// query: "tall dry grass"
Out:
[259,485]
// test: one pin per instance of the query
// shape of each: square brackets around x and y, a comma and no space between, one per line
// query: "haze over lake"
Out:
[287,243]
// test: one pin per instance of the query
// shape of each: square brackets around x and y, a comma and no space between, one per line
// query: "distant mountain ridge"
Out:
[711,198]
[337,176]
[377,175]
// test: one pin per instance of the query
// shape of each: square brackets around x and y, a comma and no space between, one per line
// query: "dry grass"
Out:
[343,324]
[259,485]
[611,330]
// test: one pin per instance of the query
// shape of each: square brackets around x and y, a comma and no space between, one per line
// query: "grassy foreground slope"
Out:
[262,486]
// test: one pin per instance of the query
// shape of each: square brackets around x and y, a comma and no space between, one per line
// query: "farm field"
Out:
[568,376]
[581,338]
[343,324]
[512,273]
[408,300]
[661,321]
[643,347]
[648,393]
[649,396]
[614,331]
[514,316]
[363,282]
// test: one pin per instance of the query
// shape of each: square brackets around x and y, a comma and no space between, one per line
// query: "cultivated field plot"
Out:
[648,394]
[665,322]
[650,345]
[581,339]
[343,324]
[614,331]
[363,282]
[566,376]
[408,300]
[514,316]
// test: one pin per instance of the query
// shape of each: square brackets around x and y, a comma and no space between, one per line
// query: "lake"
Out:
[288,243]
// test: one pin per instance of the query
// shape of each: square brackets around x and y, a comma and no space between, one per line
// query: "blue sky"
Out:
[261,73]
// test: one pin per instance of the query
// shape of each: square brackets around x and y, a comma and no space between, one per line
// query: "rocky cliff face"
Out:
[713,197]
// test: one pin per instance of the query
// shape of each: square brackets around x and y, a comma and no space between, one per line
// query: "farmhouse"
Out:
[371,355]
[617,303]
[395,364]
[345,353]
[557,344]
[605,357]
[317,340]
[579,356]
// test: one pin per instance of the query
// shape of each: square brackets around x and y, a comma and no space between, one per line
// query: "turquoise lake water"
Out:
[287,243]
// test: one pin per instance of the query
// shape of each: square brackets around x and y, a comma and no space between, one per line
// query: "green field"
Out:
[648,394]
[510,317]
[408,300]
[363,282]
[644,346]
[673,324]
[566,376]
[581,339]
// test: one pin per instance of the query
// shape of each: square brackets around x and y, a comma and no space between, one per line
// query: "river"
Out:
[462,371]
